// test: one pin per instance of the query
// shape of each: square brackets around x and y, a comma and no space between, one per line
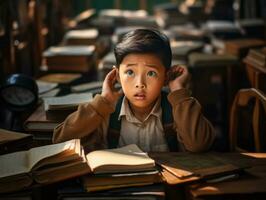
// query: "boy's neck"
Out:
[141,113]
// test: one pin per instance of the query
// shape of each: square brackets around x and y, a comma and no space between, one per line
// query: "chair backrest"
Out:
[249,134]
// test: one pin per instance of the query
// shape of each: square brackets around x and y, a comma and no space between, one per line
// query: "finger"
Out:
[170,73]
[111,74]
[175,72]
[114,80]
[110,77]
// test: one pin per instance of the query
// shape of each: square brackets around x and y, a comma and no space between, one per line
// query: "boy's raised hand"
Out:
[108,90]
[178,77]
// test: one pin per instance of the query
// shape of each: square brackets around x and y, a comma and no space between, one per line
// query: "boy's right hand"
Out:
[108,90]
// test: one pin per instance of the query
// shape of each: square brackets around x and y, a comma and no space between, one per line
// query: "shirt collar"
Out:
[126,111]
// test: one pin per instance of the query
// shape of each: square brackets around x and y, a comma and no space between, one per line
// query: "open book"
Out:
[56,162]
[125,159]
[134,168]
[45,164]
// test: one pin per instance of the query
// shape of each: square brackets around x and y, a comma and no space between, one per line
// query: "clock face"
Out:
[18,96]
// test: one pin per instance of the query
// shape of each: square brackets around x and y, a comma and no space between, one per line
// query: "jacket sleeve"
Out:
[193,129]
[84,121]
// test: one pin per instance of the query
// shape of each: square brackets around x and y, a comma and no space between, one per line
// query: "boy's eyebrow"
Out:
[152,65]
[146,64]
[131,64]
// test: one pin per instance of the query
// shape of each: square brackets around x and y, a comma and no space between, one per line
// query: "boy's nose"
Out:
[140,82]
[140,86]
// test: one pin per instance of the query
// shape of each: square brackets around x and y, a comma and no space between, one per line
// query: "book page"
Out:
[13,163]
[126,158]
[38,153]
[50,93]
[45,86]
[66,101]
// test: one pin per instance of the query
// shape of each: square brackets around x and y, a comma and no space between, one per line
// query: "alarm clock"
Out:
[19,92]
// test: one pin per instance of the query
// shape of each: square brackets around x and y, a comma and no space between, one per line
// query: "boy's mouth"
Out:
[140,96]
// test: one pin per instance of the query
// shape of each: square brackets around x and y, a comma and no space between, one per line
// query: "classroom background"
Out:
[66,47]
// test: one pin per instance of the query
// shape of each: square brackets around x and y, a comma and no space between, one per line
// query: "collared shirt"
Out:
[148,135]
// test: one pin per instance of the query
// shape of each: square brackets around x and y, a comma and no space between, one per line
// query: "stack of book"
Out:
[122,167]
[185,167]
[70,58]
[51,113]
[73,190]
[41,165]
[38,124]
[56,162]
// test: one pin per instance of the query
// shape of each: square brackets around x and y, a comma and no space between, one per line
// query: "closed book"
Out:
[58,108]
[11,141]
[55,115]
[180,167]
[70,58]
[38,121]
[119,180]
[70,190]
[81,37]
[67,102]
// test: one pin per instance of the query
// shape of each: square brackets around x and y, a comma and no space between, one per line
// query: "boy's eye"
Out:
[152,73]
[129,72]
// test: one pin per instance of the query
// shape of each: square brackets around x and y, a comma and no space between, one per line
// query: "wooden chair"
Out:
[250,133]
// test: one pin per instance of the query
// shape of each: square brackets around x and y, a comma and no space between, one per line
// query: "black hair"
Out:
[144,41]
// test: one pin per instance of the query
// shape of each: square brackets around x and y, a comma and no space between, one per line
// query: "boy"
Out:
[146,116]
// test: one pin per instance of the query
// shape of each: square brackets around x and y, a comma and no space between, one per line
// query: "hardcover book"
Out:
[56,162]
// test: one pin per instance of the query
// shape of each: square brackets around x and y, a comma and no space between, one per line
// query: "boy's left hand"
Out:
[177,77]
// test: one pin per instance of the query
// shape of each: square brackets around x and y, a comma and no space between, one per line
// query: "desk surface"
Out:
[250,183]
[254,182]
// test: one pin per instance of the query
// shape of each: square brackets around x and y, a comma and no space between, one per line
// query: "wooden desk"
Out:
[251,185]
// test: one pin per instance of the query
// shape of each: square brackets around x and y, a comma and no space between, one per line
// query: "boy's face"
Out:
[142,77]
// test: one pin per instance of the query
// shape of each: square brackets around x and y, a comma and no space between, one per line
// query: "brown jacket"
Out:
[194,131]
